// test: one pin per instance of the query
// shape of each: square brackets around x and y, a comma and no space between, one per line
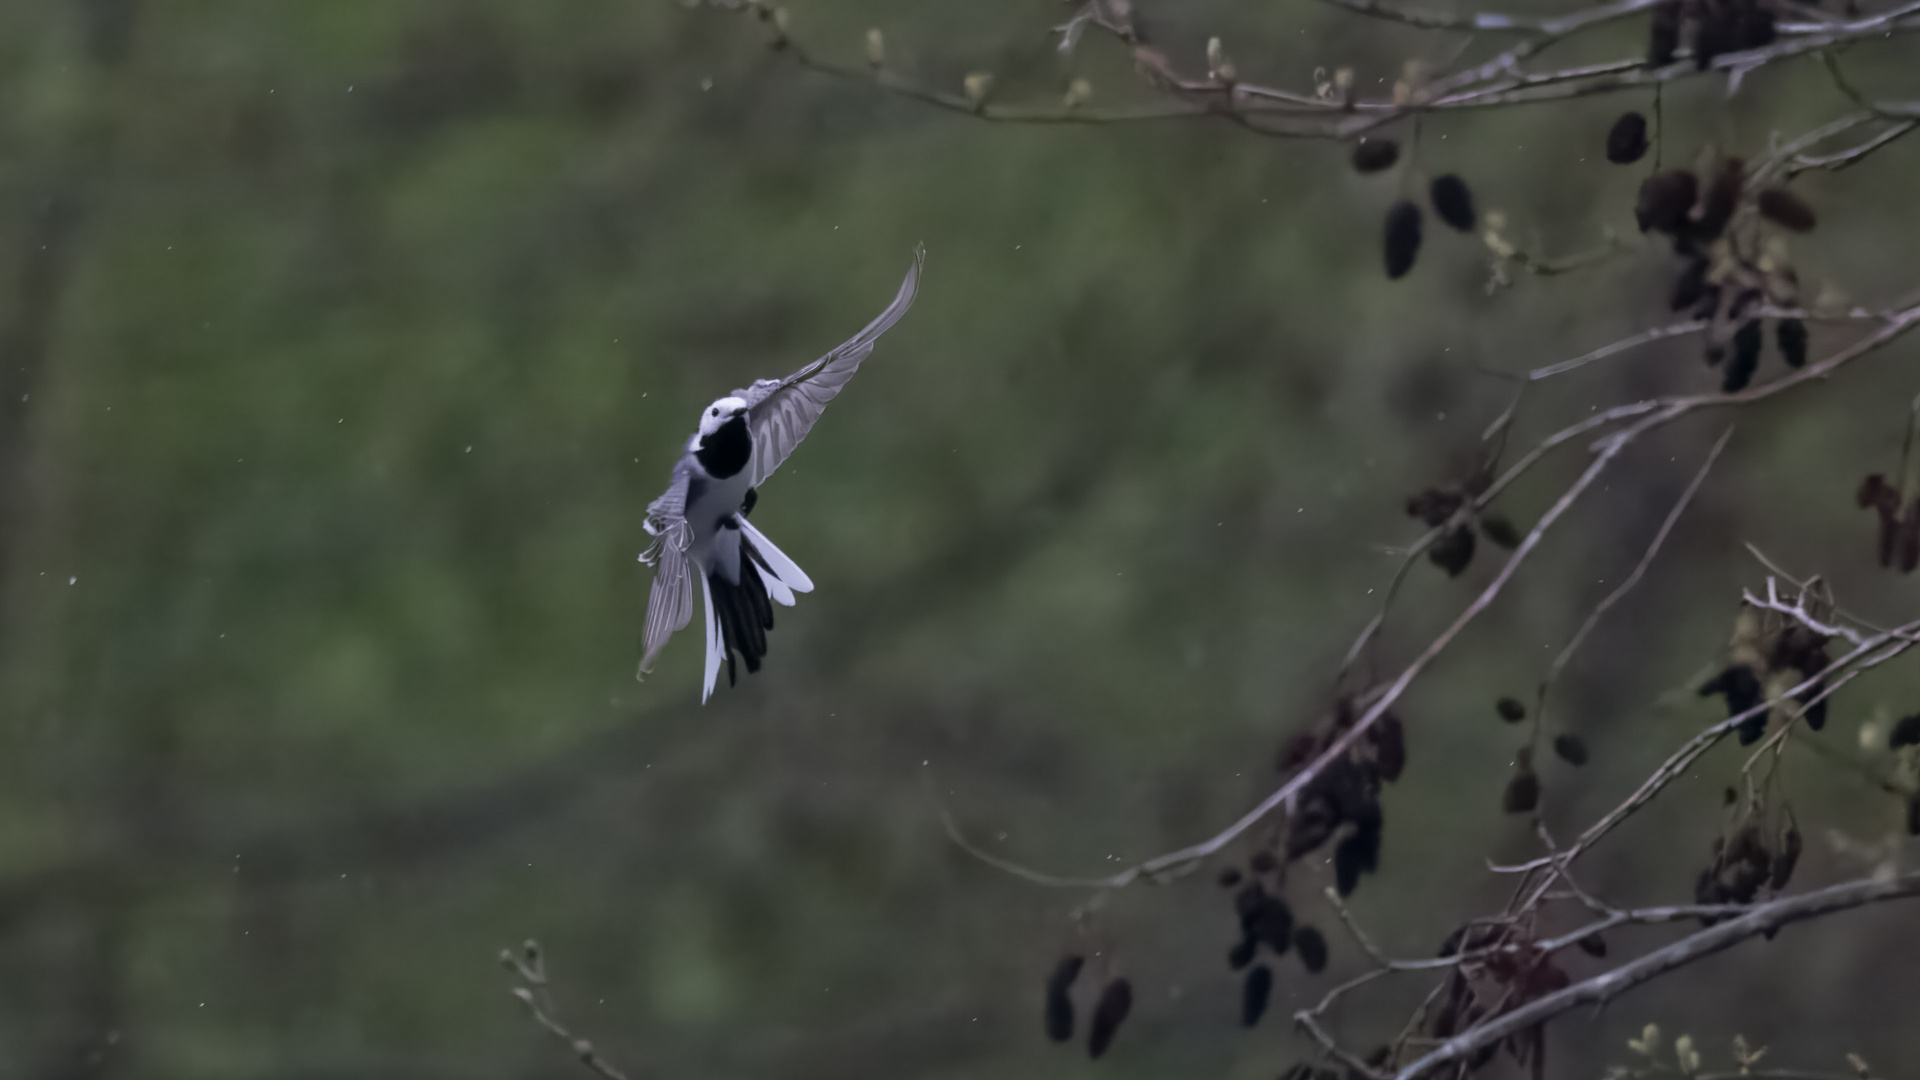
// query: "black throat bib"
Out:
[725,452]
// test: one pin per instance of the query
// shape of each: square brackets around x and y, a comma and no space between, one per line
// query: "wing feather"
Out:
[670,605]
[782,411]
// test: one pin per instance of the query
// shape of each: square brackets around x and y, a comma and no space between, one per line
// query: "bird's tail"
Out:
[743,613]
[740,614]
[782,575]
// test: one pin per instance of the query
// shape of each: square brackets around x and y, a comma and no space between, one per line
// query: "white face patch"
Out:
[720,412]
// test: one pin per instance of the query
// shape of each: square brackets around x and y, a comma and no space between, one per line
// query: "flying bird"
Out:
[700,524]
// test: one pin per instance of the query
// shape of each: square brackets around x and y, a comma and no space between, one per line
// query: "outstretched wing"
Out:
[670,607]
[782,411]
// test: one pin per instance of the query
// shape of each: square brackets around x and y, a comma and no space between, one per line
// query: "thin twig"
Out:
[1649,415]
[1627,344]
[529,966]
[1659,538]
[1760,919]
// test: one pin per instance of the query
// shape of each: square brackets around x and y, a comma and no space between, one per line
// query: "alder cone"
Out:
[1402,238]
[1375,155]
[1453,202]
[1627,140]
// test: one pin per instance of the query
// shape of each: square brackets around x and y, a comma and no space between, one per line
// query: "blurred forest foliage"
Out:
[344,344]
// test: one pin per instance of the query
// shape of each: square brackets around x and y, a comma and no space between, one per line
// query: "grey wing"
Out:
[782,411]
[670,607]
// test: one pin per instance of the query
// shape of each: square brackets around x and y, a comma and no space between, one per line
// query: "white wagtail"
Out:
[701,520]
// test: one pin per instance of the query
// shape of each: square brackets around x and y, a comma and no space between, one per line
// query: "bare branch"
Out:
[1760,919]
[529,966]
[1639,570]
[1628,344]
[1273,111]
[1523,24]
[1652,414]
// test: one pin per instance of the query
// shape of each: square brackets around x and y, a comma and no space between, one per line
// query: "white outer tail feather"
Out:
[783,578]
[716,649]
[791,578]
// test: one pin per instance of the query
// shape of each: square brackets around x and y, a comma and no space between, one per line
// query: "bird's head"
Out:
[719,413]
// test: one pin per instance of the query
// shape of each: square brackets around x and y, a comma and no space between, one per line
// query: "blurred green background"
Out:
[345,343]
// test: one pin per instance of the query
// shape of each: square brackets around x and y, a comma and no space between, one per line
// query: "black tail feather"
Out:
[745,612]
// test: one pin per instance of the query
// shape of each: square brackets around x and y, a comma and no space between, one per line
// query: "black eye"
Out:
[716,412]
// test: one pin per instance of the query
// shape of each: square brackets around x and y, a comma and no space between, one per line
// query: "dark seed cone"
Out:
[1571,749]
[1787,210]
[1059,1010]
[1389,747]
[1375,155]
[1059,1016]
[1746,357]
[1593,945]
[1312,948]
[1402,238]
[1665,200]
[1663,36]
[1453,202]
[1754,28]
[1254,995]
[1786,858]
[1791,336]
[1434,506]
[1116,1001]
[1740,686]
[1242,954]
[1346,866]
[1627,141]
[1721,198]
[1499,530]
[1717,33]
[1453,551]
[1816,712]
[1522,794]
[1691,287]
[1905,733]
[1510,710]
